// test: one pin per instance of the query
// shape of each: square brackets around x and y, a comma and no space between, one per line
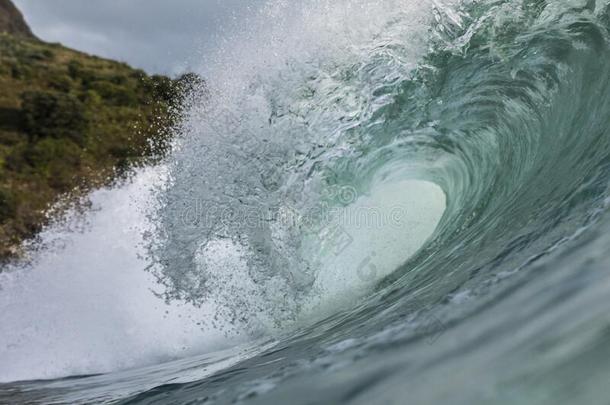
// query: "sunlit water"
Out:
[371,202]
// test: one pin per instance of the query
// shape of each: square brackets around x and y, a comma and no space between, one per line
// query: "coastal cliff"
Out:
[68,122]
[12,21]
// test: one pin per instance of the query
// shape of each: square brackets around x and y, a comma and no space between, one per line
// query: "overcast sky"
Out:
[165,36]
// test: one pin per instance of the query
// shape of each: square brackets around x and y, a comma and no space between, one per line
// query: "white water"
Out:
[87,306]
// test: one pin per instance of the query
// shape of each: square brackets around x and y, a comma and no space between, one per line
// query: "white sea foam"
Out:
[87,307]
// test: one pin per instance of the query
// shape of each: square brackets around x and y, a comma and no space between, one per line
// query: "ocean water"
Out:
[393,202]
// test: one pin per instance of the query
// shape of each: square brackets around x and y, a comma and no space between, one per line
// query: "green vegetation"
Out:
[68,122]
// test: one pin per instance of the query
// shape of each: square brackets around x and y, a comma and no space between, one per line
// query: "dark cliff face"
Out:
[12,21]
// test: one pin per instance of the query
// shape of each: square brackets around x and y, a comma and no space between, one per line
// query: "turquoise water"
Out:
[371,202]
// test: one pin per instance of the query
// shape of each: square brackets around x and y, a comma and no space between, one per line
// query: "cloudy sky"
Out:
[165,36]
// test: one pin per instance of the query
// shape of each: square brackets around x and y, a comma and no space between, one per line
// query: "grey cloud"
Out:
[157,35]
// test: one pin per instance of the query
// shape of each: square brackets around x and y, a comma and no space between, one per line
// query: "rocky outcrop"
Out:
[12,21]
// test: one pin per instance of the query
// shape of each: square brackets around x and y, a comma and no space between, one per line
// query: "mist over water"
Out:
[379,199]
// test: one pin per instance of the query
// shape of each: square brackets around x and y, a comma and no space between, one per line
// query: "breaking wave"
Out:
[379,199]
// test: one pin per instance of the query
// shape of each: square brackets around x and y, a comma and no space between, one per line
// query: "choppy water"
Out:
[371,202]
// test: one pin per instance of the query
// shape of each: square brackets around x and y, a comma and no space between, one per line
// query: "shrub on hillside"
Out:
[60,82]
[52,114]
[116,94]
[20,71]
[46,151]
[8,205]
[77,71]
[160,88]
[35,55]
[56,160]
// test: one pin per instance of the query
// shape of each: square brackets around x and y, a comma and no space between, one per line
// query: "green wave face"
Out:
[494,102]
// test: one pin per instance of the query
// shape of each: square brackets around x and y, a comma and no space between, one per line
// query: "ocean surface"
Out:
[370,202]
